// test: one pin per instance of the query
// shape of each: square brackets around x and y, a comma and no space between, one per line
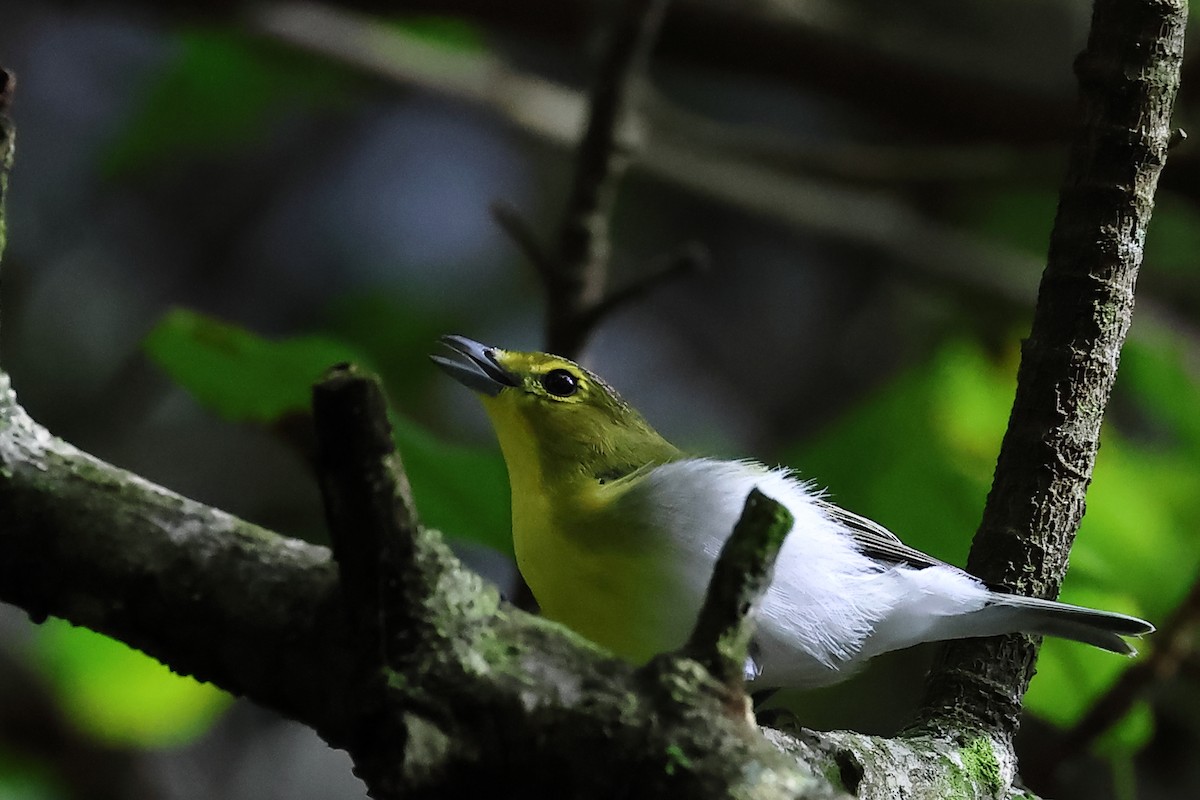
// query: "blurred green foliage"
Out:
[931,439]
[1173,241]
[446,32]
[243,85]
[237,375]
[394,334]
[224,88]
[1022,216]
[120,695]
[22,779]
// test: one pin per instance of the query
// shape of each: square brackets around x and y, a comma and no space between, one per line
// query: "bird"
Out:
[616,532]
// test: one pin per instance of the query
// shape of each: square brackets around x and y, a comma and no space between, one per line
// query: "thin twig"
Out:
[1129,76]
[577,286]
[519,230]
[369,507]
[688,260]
[720,639]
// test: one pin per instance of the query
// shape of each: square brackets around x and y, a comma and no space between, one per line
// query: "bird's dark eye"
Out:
[560,383]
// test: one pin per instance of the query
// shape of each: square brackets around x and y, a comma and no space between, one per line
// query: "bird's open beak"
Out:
[474,365]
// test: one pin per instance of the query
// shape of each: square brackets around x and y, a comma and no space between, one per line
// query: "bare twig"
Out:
[369,507]
[519,230]
[1128,75]
[721,638]
[577,285]
[688,260]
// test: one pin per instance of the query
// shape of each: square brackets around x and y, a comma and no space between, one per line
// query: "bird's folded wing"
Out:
[876,541]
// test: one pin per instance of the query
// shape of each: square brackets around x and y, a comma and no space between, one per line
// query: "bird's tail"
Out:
[1103,629]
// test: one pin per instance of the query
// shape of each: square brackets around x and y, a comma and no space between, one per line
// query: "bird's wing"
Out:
[876,541]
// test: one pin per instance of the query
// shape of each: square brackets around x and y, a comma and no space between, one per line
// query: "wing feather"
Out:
[876,541]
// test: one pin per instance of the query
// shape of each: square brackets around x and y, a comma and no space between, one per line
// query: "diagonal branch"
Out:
[679,153]
[1129,75]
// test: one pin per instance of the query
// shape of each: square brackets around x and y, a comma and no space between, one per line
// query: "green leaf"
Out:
[239,375]
[931,439]
[1157,374]
[120,695]
[245,378]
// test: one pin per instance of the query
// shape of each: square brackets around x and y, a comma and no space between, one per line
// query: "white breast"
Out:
[829,607]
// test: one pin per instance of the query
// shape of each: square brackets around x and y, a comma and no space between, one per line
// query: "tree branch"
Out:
[576,285]
[720,639]
[1128,76]
[497,698]
[369,508]
[202,591]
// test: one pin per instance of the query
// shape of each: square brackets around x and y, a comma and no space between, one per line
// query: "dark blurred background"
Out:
[206,204]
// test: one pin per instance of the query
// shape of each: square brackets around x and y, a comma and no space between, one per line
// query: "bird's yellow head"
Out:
[557,422]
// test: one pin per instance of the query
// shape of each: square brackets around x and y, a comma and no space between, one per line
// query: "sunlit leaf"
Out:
[238,375]
[1157,371]
[930,440]
[120,695]
[1130,734]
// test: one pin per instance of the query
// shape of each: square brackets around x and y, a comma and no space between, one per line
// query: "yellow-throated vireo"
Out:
[616,532]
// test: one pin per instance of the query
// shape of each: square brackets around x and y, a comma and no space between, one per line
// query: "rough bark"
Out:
[1128,75]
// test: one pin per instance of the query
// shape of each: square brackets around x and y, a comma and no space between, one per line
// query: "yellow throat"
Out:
[572,447]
